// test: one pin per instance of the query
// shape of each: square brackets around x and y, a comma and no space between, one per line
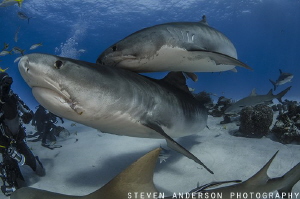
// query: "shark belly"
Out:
[169,58]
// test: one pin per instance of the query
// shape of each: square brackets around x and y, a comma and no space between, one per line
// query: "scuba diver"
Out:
[15,152]
[45,126]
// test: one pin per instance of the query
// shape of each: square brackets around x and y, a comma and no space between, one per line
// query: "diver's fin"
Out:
[218,58]
[176,79]
[261,177]
[138,177]
[174,145]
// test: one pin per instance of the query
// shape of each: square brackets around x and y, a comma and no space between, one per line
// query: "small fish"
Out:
[18,50]
[22,15]
[3,70]
[5,52]
[16,34]
[282,79]
[5,46]
[6,3]
[17,59]
[34,46]
[73,124]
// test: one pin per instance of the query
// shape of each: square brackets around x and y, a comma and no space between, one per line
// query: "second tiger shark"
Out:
[178,46]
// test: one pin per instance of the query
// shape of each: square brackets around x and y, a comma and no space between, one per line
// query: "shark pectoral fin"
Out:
[174,145]
[220,59]
[213,184]
[193,76]
[33,193]
[261,177]
[138,177]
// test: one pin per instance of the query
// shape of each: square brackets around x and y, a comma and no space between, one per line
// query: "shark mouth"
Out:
[47,92]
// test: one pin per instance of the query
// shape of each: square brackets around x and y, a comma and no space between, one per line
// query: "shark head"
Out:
[57,83]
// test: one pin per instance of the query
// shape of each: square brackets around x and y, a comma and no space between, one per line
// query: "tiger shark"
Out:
[178,46]
[136,181]
[114,100]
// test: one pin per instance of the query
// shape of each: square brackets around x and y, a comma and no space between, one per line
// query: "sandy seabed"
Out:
[88,159]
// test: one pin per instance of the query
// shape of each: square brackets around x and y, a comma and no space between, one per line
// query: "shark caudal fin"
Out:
[282,93]
[274,84]
[290,179]
[138,177]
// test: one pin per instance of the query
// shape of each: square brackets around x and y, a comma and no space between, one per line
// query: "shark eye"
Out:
[58,64]
[114,48]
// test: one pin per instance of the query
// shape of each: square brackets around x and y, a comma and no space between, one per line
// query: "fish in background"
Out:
[18,50]
[254,99]
[179,46]
[16,34]
[6,3]
[282,79]
[24,16]
[5,46]
[5,52]
[137,179]
[34,46]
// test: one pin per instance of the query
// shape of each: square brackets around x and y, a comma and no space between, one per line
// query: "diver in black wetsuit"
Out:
[46,129]
[13,147]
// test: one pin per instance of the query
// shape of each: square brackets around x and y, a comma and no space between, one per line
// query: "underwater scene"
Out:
[149,99]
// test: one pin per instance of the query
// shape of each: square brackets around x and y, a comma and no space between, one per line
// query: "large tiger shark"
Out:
[136,181]
[179,46]
[114,100]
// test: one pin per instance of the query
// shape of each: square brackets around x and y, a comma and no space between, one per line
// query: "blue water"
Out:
[266,34]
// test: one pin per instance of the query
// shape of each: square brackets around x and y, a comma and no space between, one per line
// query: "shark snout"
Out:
[24,64]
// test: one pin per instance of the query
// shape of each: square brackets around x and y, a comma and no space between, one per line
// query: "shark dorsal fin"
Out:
[280,71]
[204,21]
[253,92]
[261,177]
[138,177]
[177,79]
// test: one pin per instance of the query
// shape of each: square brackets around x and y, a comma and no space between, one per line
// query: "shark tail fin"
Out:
[289,180]
[138,177]
[282,93]
[274,84]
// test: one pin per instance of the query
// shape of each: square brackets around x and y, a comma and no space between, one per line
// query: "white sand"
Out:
[89,159]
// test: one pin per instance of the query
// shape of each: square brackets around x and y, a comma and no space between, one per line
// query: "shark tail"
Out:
[274,84]
[282,93]
[290,179]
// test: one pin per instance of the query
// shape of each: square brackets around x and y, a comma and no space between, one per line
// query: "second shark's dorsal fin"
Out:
[138,177]
[177,79]
[261,177]
[253,92]
[280,71]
